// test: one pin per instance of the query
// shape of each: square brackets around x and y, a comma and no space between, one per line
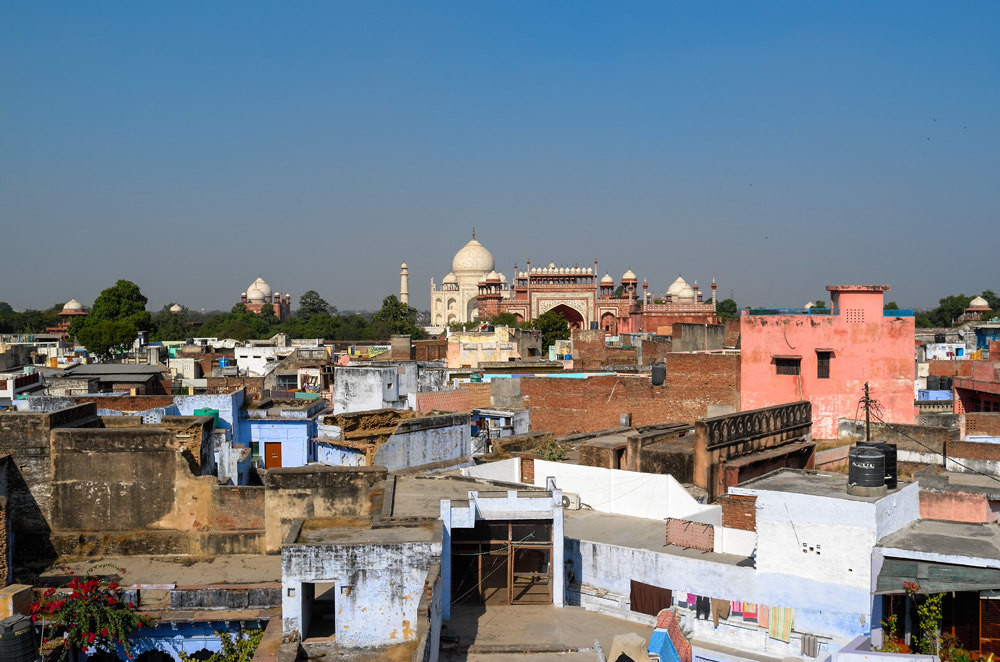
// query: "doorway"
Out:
[272,454]
[502,562]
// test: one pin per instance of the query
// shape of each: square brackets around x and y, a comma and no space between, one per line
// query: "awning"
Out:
[935,577]
[786,356]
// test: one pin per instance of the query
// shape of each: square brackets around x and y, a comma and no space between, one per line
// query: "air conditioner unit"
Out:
[571,501]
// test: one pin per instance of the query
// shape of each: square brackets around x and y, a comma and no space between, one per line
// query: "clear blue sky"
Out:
[775,146]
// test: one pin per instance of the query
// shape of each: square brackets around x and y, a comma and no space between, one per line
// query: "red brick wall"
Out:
[451,400]
[237,508]
[127,402]
[982,423]
[430,350]
[527,469]
[253,385]
[971,450]
[938,368]
[954,506]
[694,381]
[739,512]
[479,395]
[732,332]
[667,620]
[693,535]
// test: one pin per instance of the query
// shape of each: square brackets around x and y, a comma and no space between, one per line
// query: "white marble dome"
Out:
[607,280]
[979,302]
[450,279]
[677,287]
[472,259]
[176,309]
[629,275]
[259,290]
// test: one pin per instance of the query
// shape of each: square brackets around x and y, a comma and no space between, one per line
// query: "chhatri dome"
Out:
[978,302]
[679,287]
[473,258]
[72,306]
[176,309]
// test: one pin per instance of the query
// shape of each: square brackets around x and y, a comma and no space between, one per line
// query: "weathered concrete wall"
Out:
[378,588]
[506,394]
[317,491]
[698,337]
[25,437]
[357,388]
[426,440]
[955,506]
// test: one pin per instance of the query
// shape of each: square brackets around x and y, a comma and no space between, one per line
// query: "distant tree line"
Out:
[952,307]
[119,313]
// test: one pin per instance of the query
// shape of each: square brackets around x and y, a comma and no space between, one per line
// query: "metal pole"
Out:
[868,415]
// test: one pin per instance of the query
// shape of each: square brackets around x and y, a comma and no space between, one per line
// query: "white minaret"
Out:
[404,285]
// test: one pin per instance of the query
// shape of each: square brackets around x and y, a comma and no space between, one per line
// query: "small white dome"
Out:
[686,294]
[503,278]
[72,306]
[403,266]
[473,258]
[607,280]
[259,290]
[492,276]
[552,265]
[450,278]
[628,275]
[176,308]
[978,302]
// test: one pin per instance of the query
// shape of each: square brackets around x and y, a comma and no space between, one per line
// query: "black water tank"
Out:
[866,467]
[889,453]
[933,383]
[945,383]
[17,640]
[659,373]
[939,337]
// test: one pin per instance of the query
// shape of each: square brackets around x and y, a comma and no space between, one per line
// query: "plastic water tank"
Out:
[866,467]
[659,374]
[889,453]
[17,640]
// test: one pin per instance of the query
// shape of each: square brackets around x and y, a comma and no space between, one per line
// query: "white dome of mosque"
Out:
[978,302]
[503,279]
[450,278]
[678,287]
[473,258]
[72,306]
[629,275]
[176,309]
[686,293]
[493,276]
[607,280]
[259,290]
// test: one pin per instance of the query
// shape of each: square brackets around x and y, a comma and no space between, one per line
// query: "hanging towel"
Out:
[691,600]
[762,616]
[736,608]
[749,612]
[720,609]
[780,622]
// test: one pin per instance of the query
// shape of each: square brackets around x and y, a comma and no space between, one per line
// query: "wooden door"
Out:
[272,454]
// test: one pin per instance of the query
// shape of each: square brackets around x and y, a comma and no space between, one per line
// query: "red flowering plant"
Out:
[87,614]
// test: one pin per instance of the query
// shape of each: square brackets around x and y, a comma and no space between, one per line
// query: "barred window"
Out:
[788,366]
[823,365]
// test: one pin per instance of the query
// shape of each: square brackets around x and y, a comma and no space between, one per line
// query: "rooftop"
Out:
[934,539]
[359,531]
[813,483]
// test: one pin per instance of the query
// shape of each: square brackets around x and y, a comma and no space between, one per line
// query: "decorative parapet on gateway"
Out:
[781,421]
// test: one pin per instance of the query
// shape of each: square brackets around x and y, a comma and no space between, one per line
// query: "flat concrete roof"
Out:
[935,478]
[636,533]
[952,539]
[418,496]
[320,534]
[814,483]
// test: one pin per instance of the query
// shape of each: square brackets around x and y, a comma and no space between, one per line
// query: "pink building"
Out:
[826,356]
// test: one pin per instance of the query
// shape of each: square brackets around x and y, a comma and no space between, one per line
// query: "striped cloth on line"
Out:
[780,621]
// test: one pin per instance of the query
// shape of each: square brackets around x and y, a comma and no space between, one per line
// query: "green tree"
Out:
[106,338]
[890,306]
[396,318]
[170,326]
[122,302]
[819,303]
[234,649]
[553,327]
[949,310]
[312,304]
[992,300]
[505,319]
[727,309]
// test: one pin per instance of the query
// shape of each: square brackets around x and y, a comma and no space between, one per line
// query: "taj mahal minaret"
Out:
[404,284]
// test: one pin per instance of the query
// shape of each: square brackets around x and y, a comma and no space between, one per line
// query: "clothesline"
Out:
[778,621]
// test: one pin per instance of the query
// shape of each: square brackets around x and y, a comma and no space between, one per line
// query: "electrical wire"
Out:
[878,417]
[495,551]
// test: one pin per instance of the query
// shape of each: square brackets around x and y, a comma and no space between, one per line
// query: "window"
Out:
[822,365]
[788,366]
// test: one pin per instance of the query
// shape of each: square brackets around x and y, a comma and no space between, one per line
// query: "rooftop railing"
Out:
[823,312]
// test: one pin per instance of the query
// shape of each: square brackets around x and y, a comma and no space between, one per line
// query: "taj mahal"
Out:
[475,290]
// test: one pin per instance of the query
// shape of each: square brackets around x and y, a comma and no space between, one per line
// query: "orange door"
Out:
[272,455]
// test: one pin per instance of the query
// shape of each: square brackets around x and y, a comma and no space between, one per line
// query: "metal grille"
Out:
[823,365]
[788,366]
[989,626]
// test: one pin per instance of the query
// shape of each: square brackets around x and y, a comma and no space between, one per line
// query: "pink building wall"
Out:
[865,346]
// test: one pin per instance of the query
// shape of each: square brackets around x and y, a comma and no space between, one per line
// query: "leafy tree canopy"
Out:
[396,318]
[505,319]
[106,338]
[312,304]
[726,309]
[553,327]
